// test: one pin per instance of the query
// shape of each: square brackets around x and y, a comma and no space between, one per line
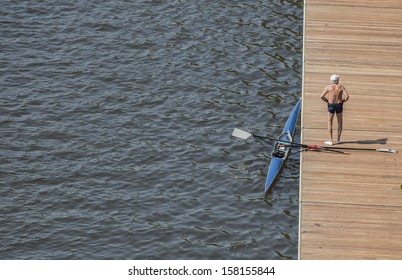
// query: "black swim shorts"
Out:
[335,107]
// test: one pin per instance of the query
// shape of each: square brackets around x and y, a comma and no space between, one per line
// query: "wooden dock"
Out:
[351,205]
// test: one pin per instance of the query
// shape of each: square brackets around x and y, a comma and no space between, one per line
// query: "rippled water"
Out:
[116,121]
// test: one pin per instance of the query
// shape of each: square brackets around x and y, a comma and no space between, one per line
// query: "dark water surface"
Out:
[116,121]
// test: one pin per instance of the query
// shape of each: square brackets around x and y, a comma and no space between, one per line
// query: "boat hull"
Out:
[280,151]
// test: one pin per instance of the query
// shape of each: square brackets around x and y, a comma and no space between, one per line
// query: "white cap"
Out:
[334,78]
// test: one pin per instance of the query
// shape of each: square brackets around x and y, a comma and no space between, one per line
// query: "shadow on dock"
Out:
[381,141]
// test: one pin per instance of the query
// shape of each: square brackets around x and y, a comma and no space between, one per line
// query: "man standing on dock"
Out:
[335,95]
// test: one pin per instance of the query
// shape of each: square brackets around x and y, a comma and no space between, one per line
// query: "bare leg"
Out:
[330,120]
[339,117]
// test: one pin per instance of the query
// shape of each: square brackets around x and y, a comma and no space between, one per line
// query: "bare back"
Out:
[335,93]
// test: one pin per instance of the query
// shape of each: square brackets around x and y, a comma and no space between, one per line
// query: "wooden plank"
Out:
[351,205]
[390,4]
[337,231]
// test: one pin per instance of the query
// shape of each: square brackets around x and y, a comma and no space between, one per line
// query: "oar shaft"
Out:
[316,147]
[357,149]
[261,137]
[244,135]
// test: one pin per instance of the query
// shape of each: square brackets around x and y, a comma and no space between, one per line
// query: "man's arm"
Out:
[345,95]
[323,95]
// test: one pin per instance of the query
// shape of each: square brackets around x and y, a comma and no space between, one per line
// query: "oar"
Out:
[316,147]
[384,150]
[241,134]
[244,135]
[312,147]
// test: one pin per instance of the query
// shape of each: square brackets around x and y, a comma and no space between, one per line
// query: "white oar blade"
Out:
[241,134]
[386,150]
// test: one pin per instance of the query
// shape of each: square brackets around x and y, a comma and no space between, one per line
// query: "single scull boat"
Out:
[281,148]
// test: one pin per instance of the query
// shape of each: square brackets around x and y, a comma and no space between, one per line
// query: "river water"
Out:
[116,121]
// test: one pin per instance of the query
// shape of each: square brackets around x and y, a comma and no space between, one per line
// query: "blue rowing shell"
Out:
[280,152]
